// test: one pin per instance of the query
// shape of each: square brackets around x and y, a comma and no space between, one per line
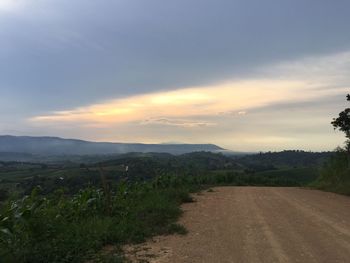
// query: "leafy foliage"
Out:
[335,175]
[342,122]
[59,228]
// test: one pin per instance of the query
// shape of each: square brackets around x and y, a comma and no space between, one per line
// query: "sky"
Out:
[247,75]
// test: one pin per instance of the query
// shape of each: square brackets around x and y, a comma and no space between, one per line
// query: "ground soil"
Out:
[256,224]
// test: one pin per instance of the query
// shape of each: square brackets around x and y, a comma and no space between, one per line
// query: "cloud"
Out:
[10,5]
[98,70]
[196,101]
[233,113]
[325,71]
[304,81]
[68,58]
[177,122]
[264,113]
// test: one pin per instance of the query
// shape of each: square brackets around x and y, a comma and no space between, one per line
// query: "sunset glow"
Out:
[190,102]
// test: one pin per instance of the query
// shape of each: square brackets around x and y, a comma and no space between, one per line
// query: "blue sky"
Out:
[247,75]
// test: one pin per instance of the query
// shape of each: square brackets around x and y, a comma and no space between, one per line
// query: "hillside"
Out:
[59,146]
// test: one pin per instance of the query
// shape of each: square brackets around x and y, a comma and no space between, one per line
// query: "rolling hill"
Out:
[50,146]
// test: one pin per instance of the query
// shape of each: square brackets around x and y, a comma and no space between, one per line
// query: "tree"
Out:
[342,123]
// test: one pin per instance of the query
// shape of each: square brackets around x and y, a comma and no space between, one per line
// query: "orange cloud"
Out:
[197,101]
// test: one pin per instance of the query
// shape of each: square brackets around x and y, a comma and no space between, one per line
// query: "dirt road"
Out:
[257,224]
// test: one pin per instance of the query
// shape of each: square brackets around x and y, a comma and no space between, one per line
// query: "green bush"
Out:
[335,175]
[59,228]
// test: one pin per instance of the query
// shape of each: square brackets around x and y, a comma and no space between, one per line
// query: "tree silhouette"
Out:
[342,123]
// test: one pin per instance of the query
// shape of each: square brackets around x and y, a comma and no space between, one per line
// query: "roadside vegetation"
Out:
[70,212]
[335,174]
[61,228]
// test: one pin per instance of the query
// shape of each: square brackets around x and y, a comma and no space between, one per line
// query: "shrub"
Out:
[60,228]
[335,175]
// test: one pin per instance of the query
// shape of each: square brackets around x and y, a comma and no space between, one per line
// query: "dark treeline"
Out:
[22,178]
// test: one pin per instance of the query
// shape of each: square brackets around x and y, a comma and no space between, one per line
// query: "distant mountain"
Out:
[50,146]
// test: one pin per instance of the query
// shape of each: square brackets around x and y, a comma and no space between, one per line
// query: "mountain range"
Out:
[50,146]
